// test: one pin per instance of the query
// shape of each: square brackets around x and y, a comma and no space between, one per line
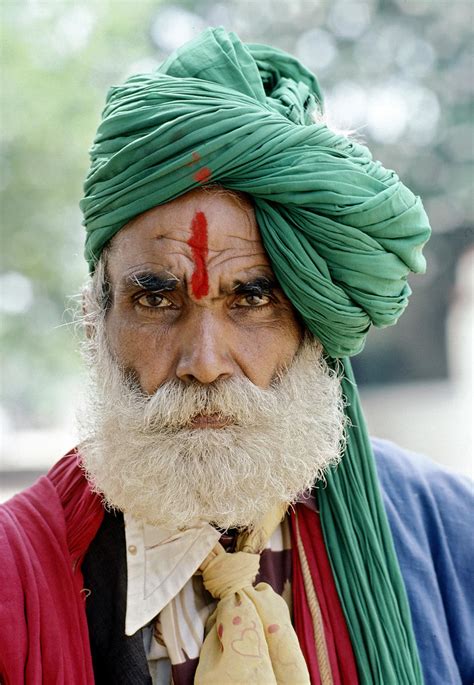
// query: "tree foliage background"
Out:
[396,72]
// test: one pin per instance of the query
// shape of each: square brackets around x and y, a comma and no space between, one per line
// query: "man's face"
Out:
[236,411]
[194,297]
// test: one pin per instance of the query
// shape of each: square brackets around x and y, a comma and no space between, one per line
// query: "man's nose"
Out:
[204,355]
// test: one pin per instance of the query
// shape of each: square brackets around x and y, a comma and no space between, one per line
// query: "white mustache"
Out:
[175,405]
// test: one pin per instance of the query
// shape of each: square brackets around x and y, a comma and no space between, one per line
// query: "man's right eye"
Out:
[154,301]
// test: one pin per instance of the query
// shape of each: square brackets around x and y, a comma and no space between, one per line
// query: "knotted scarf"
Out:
[341,231]
[249,636]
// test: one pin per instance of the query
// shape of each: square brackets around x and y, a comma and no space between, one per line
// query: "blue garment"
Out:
[430,511]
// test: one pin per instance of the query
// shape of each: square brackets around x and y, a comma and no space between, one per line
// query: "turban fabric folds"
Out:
[342,234]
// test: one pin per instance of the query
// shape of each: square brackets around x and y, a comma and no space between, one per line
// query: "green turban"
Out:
[341,231]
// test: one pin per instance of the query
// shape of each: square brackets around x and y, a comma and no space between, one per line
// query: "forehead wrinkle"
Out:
[245,238]
[175,239]
[226,260]
[214,253]
[211,234]
[234,240]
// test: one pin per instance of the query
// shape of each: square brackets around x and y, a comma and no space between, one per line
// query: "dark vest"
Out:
[117,658]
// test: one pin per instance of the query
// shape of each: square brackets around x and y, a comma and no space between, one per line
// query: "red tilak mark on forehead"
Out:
[198,244]
[202,175]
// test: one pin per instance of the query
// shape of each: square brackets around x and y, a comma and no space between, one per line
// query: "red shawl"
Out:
[44,534]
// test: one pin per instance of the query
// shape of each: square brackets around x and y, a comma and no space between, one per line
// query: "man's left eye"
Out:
[253,300]
[154,301]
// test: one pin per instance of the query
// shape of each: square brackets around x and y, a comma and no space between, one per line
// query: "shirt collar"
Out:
[159,564]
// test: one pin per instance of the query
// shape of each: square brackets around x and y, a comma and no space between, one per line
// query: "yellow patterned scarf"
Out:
[249,636]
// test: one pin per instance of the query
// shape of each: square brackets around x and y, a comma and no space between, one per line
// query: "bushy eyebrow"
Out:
[262,285]
[153,282]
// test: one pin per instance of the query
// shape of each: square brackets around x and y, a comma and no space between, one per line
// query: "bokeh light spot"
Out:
[16,293]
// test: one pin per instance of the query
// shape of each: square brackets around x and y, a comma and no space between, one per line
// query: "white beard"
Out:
[142,456]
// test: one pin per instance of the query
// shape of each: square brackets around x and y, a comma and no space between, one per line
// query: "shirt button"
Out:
[132,549]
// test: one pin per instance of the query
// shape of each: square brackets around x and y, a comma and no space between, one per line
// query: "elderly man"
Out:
[223,519]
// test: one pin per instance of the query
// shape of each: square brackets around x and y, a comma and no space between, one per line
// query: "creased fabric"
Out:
[249,636]
[331,629]
[44,534]
[160,565]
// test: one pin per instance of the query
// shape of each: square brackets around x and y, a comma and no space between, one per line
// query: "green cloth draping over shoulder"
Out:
[341,231]
[342,234]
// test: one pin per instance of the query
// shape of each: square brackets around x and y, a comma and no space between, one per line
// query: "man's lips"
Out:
[210,421]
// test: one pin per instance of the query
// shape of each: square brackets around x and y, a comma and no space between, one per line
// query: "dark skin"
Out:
[161,327]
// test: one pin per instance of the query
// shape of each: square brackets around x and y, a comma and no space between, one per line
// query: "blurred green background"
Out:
[399,73]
